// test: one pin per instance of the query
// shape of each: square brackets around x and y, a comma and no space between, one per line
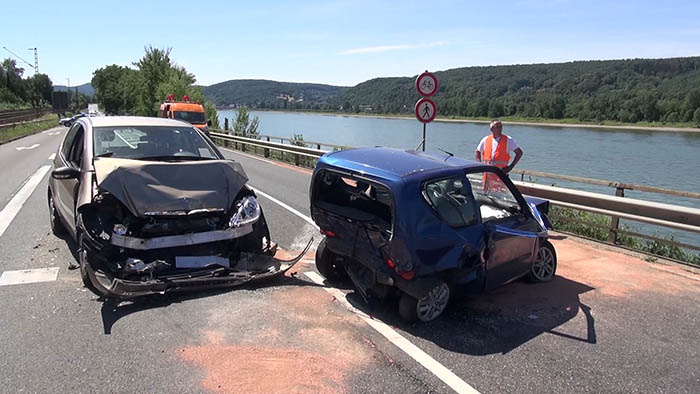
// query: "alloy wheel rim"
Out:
[433,304]
[543,269]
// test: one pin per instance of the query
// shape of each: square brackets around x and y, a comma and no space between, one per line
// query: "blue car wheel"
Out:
[544,268]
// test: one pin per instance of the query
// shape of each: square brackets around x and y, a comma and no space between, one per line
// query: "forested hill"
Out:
[260,93]
[622,90]
[85,89]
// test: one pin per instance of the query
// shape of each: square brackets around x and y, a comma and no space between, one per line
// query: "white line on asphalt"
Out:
[12,208]
[250,156]
[437,369]
[55,133]
[52,156]
[27,147]
[29,276]
[285,206]
[429,363]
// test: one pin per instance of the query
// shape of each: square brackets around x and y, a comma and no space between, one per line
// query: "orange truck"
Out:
[185,110]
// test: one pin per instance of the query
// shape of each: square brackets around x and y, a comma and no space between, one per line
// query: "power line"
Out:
[20,58]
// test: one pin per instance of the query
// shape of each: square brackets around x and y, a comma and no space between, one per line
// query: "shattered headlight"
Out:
[248,212]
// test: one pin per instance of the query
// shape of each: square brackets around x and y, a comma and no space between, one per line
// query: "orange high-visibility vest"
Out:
[501,158]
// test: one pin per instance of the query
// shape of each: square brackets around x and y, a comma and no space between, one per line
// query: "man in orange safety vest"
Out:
[495,149]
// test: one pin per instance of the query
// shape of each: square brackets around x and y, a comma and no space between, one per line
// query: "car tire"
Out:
[545,266]
[57,227]
[83,263]
[428,308]
[330,264]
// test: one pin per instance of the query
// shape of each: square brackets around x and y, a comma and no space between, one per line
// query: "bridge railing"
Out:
[615,206]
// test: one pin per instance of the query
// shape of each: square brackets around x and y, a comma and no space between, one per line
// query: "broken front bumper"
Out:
[250,267]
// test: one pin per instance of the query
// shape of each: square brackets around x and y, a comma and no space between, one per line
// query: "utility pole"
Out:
[36,60]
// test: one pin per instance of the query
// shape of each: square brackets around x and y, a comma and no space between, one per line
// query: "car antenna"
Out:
[449,153]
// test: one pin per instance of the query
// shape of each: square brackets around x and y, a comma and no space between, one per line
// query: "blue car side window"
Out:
[451,199]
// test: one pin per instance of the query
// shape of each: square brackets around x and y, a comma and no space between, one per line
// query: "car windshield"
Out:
[189,116]
[151,142]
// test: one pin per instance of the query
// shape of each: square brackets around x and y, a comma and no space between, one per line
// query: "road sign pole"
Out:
[423,143]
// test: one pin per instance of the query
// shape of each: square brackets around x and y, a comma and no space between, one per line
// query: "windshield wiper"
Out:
[105,154]
[171,158]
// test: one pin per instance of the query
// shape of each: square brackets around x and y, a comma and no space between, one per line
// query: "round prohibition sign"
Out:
[425,110]
[427,84]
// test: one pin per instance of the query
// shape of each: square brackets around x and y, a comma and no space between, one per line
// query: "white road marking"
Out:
[54,130]
[52,156]
[12,208]
[54,133]
[27,147]
[429,363]
[29,276]
[247,155]
[285,206]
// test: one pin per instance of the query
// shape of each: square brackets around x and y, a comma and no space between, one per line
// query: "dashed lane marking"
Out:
[440,371]
[12,208]
[52,156]
[27,147]
[21,277]
[429,363]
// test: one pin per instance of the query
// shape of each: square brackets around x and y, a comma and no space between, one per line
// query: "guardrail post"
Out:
[615,220]
[226,124]
[296,160]
[267,150]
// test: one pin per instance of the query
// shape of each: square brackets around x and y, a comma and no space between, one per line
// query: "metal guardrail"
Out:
[617,206]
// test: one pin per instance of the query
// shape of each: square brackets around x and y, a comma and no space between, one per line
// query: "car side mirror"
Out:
[65,173]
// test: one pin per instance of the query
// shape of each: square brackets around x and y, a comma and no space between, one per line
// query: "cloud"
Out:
[388,48]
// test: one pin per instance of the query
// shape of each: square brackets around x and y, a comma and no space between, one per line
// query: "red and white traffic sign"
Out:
[425,110]
[427,84]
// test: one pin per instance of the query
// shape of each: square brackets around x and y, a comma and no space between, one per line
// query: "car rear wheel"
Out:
[57,227]
[545,267]
[329,264]
[426,309]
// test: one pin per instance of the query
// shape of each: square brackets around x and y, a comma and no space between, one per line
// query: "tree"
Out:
[40,88]
[212,115]
[244,126]
[696,117]
[154,67]
[111,89]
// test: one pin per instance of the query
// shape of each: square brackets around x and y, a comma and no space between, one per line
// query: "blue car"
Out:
[425,227]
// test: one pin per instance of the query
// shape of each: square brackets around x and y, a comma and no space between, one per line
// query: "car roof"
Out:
[120,121]
[395,164]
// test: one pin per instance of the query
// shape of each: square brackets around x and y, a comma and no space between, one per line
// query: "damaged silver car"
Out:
[154,206]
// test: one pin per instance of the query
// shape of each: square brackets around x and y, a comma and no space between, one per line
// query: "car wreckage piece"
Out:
[149,227]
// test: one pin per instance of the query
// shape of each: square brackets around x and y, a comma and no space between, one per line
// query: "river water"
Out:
[654,158]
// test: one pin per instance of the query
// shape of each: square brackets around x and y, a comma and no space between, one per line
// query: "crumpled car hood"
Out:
[156,186]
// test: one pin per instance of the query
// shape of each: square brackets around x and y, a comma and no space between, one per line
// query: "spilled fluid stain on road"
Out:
[308,344]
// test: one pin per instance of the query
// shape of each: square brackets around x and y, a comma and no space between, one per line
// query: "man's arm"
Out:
[518,154]
[477,155]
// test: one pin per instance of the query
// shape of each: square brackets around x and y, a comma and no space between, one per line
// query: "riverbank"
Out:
[508,121]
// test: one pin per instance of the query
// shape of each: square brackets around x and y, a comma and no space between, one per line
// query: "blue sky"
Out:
[341,42]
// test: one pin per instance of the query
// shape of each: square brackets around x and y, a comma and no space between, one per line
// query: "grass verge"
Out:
[12,133]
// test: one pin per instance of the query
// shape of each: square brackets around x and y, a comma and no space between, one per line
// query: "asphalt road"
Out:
[609,322]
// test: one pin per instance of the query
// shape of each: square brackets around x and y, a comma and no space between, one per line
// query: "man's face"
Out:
[497,128]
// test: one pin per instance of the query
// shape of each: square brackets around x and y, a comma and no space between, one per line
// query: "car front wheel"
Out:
[545,266]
